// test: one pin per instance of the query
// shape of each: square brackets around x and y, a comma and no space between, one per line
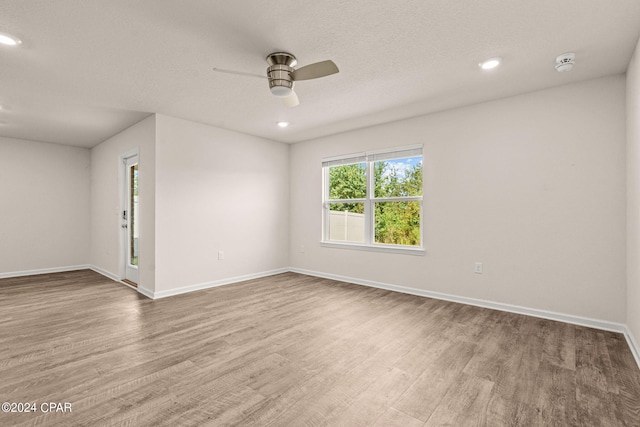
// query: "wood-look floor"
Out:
[293,350]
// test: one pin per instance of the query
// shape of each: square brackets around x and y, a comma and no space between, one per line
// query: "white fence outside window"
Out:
[346,226]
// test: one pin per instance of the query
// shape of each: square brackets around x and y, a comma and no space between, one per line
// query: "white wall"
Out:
[44,219]
[218,190]
[633,194]
[533,186]
[105,200]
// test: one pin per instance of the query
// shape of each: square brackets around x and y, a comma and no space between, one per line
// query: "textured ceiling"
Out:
[89,68]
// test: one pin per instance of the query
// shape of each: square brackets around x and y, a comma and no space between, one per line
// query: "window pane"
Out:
[348,181]
[346,222]
[398,177]
[133,209]
[397,223]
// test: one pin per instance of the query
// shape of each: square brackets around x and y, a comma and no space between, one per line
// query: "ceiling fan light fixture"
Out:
[490,63]
[280,91]
[9,40]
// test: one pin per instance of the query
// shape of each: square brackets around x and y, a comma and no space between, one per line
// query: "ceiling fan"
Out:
[282,74]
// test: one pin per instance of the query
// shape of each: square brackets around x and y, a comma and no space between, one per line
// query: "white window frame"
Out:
[369,158]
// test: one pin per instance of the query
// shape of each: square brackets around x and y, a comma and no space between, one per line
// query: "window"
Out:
[374,200]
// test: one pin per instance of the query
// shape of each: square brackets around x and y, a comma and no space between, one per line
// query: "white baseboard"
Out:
[633,345]
[550,315]
[144,291]
[43,271]
[105,273]
[207,285]
[544,314]
[177,291]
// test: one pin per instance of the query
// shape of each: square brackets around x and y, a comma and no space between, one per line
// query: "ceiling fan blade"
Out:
[291,100]
[239,73]
[314,71]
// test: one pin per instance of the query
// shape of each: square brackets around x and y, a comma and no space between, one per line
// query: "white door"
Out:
[130,224]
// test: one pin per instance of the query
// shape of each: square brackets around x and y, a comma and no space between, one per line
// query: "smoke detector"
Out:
[565,62]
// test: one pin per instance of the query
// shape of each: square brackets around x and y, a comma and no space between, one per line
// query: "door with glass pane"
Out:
[130,220]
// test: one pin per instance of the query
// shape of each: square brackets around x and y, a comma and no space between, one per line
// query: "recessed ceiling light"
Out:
[283,124]
[9,40]
[490,63]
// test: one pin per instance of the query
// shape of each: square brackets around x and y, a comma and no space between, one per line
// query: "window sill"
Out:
[418,251]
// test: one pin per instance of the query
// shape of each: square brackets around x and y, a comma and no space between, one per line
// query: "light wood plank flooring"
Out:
[293,350]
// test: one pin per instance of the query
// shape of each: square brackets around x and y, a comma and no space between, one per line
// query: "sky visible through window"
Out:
[402,165]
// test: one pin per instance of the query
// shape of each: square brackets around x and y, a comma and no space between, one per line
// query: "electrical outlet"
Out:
[220,255]
[477,268]
[301,249]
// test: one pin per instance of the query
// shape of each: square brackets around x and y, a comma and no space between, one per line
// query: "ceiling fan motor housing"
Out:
[279,73]
[280,81]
